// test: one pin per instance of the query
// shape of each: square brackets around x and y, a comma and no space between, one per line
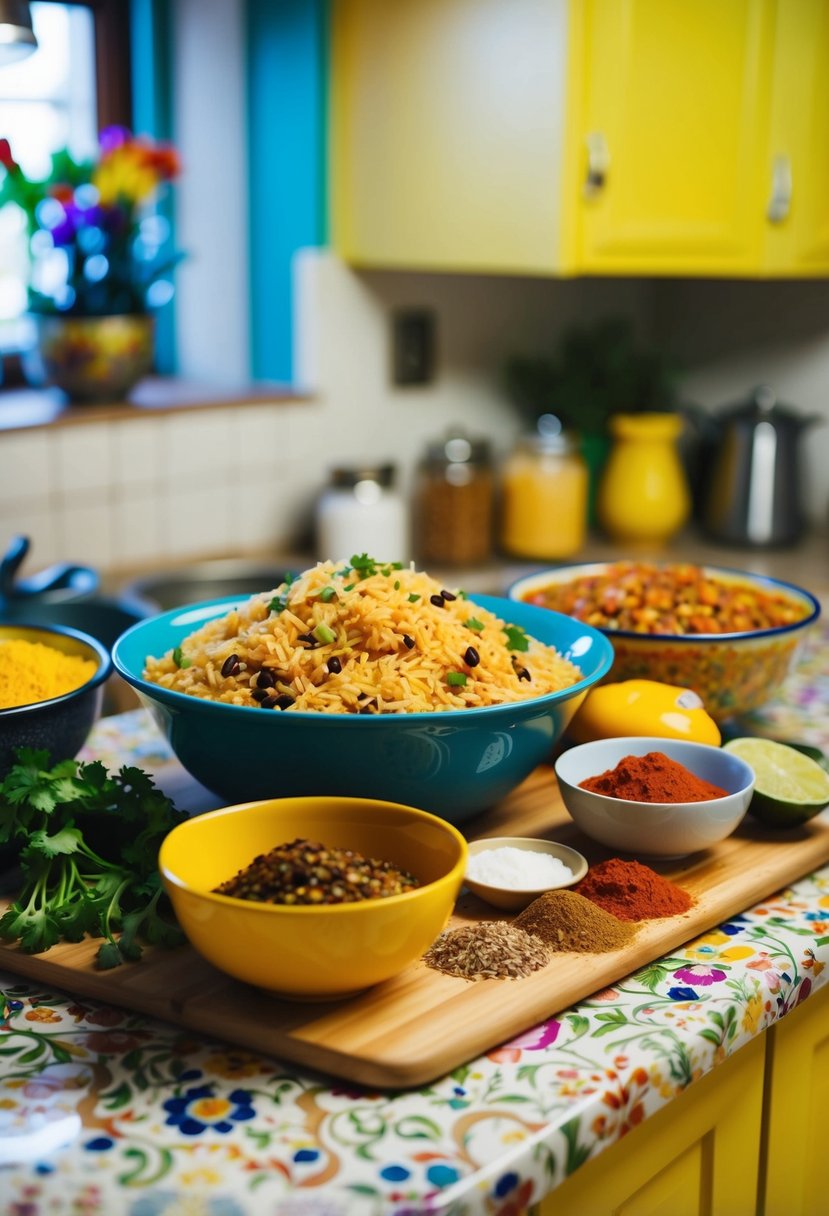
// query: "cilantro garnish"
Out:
[474,623]
[413,598]
[179,658]
[516,638]
[89,856]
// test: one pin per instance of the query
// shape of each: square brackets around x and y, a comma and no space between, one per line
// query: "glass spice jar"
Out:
[361,511]
[454,501]
[544,487]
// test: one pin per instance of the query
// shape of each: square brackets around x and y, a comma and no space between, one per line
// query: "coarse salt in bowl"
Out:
[509,872]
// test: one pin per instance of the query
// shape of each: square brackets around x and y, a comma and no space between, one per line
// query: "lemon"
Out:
[789,785]
[643,707]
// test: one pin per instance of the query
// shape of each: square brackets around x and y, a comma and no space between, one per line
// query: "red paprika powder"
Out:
[631,891]
[653,777]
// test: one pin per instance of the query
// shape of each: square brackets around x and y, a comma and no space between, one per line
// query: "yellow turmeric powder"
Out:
[30,672]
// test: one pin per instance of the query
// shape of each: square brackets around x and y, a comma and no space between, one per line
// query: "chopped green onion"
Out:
[327,594]
[413,599]
[397,584]
[323,632]
[179,659]
[474,623]
[350,587]
[516,638]
[456,679]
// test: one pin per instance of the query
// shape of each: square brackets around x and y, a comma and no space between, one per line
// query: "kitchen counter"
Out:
[172,1123]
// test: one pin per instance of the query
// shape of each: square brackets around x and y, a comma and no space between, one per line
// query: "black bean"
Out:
[437,600]
[284,701]
[307,637]
[265,679]
[448,595]
[269,702]
[408,642]
[471,657]
[258,694]
[334,666]
[230,665]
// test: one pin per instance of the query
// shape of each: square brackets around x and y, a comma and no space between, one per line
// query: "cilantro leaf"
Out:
[516,638]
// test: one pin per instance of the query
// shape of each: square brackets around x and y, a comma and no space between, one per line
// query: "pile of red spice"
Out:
[653,777]
[631,891]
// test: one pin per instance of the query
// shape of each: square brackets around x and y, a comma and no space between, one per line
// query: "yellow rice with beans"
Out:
[361,637]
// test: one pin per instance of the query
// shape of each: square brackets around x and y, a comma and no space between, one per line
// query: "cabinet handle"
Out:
[780,203]
[598,163]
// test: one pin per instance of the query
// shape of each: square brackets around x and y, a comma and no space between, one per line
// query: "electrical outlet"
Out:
[413,346]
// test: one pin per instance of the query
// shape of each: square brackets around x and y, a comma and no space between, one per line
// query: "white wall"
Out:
[343,354]
[732,336]
[211,215]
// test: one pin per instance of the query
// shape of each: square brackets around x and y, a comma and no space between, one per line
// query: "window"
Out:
[77,81]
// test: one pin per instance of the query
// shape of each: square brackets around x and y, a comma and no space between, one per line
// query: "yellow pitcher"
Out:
[643,494]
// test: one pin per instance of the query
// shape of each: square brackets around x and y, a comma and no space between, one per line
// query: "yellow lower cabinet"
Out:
[699,1156]
[797,1102]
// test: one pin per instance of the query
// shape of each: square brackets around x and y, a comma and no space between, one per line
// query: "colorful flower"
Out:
[700,975]
[199,1110]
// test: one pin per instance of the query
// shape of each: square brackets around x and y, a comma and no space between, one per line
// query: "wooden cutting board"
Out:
[422,1024]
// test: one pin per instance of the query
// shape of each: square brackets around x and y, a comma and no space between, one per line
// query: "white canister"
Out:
[360,511]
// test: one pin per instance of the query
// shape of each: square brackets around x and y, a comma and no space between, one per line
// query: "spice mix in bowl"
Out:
[653,796]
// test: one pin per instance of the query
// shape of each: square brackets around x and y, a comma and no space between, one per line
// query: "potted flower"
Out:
[99,256]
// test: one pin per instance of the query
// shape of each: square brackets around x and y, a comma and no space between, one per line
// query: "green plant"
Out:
[97,245]
[598,370]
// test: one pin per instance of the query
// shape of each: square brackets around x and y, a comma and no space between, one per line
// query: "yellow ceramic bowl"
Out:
[315,952]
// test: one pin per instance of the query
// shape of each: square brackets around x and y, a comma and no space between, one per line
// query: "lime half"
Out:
[789,786]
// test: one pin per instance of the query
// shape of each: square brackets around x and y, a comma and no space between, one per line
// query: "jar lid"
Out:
[350,475]
[550,437]
[458,448]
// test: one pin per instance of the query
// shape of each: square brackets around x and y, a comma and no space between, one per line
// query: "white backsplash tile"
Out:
[25,468]
[83,457]
[137,452]
[197,518]
[85,528]
[138,524]
[196,447]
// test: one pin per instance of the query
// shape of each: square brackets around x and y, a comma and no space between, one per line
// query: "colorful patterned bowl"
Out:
[733,673]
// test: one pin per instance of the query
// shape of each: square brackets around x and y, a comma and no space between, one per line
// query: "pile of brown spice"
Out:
[566,921]
[487,950]
[304,872]
[632,891]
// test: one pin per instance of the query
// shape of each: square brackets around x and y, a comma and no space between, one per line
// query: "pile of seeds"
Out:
[566,921]
[487,950]
[304,872]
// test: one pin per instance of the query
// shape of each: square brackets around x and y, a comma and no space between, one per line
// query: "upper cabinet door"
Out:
[446,129]
[797,167]
[670,117]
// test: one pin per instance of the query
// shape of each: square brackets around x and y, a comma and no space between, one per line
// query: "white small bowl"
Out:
[655,829]
[513,899]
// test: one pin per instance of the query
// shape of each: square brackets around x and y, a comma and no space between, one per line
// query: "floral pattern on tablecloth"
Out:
[177,1124]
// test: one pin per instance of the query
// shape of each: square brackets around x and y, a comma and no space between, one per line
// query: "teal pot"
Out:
[453,764]
[95,358]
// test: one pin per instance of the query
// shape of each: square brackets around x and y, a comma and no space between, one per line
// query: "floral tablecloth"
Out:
[163,1123]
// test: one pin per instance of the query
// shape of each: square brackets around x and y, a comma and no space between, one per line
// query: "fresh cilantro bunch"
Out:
[88,853]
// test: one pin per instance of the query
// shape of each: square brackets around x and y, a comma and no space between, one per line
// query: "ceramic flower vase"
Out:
[95,359]
[643,494]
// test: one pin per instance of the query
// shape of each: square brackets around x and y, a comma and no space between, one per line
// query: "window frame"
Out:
[113,65]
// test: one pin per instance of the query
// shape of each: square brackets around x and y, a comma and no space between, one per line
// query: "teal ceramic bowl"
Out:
[453,763]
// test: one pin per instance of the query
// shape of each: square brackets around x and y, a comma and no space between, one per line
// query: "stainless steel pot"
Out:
[752,480]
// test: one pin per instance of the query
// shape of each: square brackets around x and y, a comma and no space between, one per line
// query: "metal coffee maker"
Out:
[752,480]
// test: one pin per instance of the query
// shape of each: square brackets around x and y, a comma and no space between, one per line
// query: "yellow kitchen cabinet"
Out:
[446,133]
[797,186]
[600,137]
[671,112]
[697,1156]
[797,1098]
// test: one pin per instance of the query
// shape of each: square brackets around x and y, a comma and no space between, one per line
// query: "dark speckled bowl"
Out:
[60,725]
